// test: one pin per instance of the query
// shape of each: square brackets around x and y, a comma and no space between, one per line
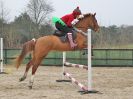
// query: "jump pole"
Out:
[89,61]
[89,68]
[63,70]
[1,56]
[88,89]
[76,65]
[64,60]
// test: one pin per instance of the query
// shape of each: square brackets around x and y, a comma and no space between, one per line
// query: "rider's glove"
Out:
[74,21]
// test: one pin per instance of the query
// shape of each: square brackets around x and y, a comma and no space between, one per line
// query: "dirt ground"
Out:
[111,82]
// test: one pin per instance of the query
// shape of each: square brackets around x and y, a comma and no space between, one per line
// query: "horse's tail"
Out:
[27,47]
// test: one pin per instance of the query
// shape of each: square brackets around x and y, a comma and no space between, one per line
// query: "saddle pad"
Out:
[63,36]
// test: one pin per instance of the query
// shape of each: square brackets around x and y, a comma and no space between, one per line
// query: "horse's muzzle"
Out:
[96,30]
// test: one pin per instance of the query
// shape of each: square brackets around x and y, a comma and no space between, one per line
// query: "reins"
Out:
[80,31]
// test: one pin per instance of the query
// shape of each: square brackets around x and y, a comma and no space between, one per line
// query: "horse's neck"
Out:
[82,26]
[82,39]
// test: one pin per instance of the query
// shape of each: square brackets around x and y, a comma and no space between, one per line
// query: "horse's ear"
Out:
[94,13]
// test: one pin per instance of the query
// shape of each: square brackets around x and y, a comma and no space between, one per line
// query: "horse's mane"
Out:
[88,14]
[85,15]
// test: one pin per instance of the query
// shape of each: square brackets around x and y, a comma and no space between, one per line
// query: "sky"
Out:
[108,12]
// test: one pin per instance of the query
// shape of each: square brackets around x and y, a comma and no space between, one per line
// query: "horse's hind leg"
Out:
[26,71]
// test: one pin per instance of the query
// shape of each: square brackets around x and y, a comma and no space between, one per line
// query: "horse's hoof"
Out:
[30,87]
[22,79]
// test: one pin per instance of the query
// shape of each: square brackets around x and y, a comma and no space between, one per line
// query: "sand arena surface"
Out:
[112,83]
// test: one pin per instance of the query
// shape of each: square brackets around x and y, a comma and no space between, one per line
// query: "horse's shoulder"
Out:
[80,37]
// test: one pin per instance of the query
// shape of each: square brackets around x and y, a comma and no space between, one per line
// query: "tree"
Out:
[46,29]
[23,27]
[3,18]
[39,10]
[24,24]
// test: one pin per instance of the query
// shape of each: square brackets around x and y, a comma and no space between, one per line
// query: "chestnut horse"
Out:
[43,45]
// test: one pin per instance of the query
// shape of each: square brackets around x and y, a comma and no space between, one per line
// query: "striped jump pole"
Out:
[75,65]
[88,67]
[81,86]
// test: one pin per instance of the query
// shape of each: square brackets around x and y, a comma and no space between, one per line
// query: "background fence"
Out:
[102,57]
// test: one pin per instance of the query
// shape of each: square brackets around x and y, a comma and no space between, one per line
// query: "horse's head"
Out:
[88,21]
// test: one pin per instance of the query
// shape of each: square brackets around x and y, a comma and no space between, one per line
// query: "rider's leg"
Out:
[67,30]
[72,44]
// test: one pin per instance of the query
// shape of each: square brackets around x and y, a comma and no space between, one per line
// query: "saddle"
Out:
[63,36]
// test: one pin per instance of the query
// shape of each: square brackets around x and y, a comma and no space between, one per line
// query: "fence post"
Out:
[132,57]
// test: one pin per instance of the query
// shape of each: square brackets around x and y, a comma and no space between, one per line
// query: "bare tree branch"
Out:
[39,10]
[4,13]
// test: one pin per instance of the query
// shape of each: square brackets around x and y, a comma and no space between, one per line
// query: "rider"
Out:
[64,24]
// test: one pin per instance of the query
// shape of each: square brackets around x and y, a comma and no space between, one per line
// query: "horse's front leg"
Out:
[26,71]
[31,81]
[34,68]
